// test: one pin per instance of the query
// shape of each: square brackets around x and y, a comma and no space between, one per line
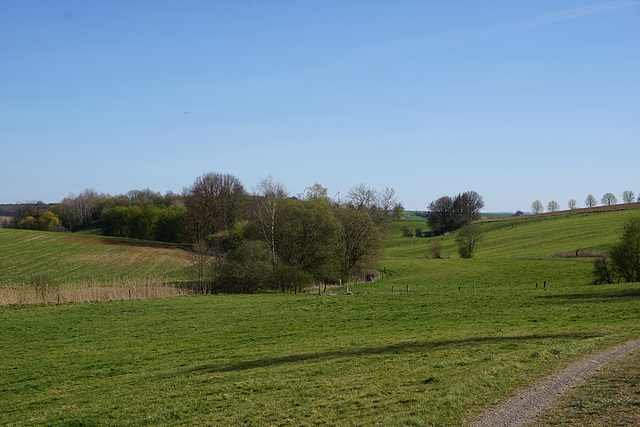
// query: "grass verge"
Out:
[611,398]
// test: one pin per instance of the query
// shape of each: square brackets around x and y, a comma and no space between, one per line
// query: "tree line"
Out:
[243,241]
[607,199]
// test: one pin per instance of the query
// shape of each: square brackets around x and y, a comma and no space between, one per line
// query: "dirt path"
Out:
[522,409]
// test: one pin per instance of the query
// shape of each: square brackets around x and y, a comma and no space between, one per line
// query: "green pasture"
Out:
[440,354]
[430,357]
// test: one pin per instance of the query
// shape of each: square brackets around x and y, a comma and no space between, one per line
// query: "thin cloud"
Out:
[453,40]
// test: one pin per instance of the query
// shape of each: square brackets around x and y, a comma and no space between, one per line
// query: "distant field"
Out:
[438,355]
[68,257]
[89,267]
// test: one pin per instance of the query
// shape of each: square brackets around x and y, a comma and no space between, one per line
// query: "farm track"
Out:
[522,409]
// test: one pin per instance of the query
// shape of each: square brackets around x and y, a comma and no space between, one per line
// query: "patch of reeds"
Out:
[41,289]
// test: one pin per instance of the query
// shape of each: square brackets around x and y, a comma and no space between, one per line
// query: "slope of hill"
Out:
[68,258]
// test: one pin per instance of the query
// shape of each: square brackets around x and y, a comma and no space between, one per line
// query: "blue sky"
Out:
[517,100]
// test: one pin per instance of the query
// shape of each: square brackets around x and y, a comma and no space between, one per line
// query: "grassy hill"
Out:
[440,354]
[70,257]
[85,267]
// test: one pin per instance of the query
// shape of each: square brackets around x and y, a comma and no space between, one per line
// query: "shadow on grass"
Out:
[596,295]
[384,349]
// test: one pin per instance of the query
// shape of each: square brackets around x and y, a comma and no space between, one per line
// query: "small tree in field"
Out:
[609,199]
[628,196]
[553,206]
[468,238]
[572,204]
[625,256]
[590,201]
[537,207]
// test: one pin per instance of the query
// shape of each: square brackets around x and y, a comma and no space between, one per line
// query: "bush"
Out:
[602,271]
[435,249]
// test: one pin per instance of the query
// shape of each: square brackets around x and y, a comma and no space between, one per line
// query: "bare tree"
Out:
[609,199]
[268,195]
[468,238]
[572,204]
[553,206]
[361,197]
[537,207]
[590,201]
[378,204]
[214,203]
[628,196]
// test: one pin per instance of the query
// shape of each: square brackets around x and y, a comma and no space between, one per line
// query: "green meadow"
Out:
[466,334]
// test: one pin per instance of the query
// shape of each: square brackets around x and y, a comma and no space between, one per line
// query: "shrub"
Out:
[435,249]
[602,271]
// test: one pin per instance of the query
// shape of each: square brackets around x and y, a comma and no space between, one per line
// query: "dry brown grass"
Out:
[153,287]
[582,253]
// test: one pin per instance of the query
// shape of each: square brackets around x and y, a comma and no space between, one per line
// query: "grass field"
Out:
[440,354]
[71,258]
[85,267]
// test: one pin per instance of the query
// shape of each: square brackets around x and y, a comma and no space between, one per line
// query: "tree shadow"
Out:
[404,347]
[596,295]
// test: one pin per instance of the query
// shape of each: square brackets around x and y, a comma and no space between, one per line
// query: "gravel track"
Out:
[522,409]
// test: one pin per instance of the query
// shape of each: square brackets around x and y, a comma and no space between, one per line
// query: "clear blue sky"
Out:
[517,100]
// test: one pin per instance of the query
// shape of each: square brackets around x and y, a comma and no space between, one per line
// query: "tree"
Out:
[602,271]
[214,203]
[519,213]
[553,206]
[247,269]
[468,238]
[572,204]
[268,197]
[378,204]
[625,256]
[628,196]
[307,238]
[609,199]
[466,207]
[361,197]
[81,210]
[48,220]
[590,201]
[441,214]
[29,209]
[361,242]
[316,191]
[398,210]
[537,207]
